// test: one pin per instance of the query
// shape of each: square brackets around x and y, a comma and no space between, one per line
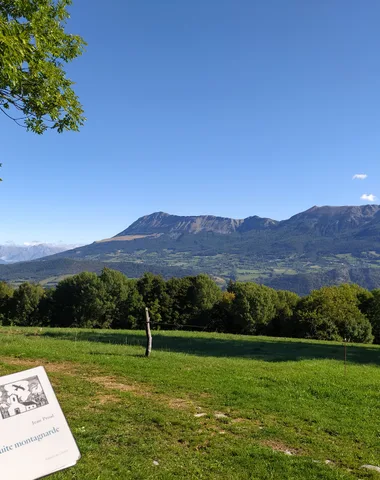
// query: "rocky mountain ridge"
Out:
[325,220]
[160,222]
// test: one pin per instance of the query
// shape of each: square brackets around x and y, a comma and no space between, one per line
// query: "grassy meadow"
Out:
[207,406]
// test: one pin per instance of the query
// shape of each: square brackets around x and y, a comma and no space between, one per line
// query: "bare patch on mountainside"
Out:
[127,238]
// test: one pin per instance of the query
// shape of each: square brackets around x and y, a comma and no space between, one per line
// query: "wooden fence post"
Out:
[148,334]
[345,356]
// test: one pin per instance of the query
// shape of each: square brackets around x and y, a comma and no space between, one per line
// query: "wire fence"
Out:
[180,327]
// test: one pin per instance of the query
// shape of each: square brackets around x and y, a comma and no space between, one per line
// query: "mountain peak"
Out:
[160,222]
[164,223]
[361,210]
[328,220]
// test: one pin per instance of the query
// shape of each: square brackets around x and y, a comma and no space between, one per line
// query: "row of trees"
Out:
[111,300]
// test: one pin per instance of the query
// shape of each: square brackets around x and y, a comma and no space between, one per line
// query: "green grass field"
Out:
[207,406]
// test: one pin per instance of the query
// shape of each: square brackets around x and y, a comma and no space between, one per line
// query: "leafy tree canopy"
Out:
[5,290]
[34,89]
[372,309]
[122,301]
[332,313]
[79,301]
[24,304]
[254,306]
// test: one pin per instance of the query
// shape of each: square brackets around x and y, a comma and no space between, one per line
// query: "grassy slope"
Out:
[127,411]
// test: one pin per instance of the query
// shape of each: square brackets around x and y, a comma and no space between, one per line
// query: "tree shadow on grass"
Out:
[266,349]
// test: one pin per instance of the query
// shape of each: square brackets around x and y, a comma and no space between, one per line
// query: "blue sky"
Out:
[223,107]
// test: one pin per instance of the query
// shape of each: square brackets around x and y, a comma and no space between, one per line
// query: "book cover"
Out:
[35,438]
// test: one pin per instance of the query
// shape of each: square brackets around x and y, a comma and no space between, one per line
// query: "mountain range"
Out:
[324,220]
[11,253]
[322,245]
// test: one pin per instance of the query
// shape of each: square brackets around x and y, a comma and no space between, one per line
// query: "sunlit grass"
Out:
[208,405]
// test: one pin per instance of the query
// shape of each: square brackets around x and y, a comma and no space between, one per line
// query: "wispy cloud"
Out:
[359,176]
[368,196]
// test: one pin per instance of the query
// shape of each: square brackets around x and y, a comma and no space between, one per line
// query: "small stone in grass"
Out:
[155,462]
[371,467]
[288,452]
[220,415]
[197,415]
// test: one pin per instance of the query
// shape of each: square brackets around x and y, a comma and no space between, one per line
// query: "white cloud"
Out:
[368,196]
[359,176]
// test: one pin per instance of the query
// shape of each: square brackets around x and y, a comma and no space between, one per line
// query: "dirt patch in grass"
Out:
[180,404]
[107,382]
[278,446]
[113,384]
[68,368]
[143,391]
[106,399]
[239,420]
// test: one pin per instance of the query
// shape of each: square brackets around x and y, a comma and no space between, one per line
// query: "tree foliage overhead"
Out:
[34,89]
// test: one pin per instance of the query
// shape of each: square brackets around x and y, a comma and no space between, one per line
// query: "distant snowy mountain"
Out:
[30,251]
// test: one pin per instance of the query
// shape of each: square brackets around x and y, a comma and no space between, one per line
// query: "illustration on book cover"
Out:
[21,396]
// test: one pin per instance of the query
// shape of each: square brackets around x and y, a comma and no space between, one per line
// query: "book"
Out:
[35,438]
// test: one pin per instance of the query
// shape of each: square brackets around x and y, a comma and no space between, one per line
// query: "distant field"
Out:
[208,406]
